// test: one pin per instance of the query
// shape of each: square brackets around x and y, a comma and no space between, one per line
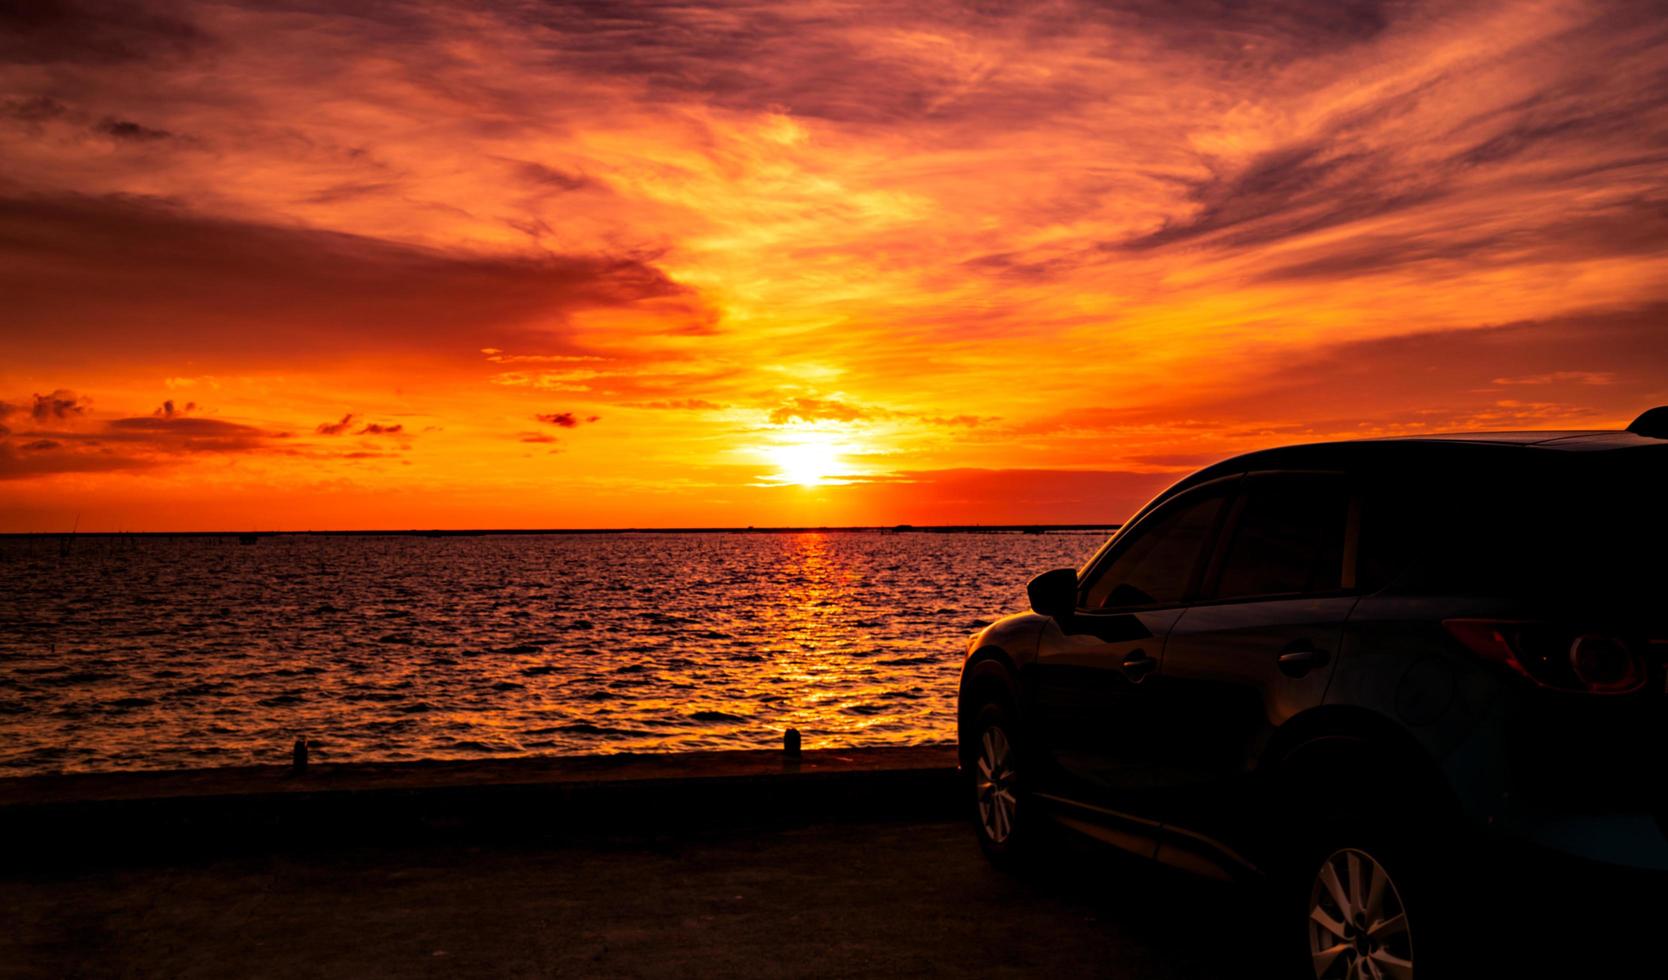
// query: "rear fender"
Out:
[1332,754]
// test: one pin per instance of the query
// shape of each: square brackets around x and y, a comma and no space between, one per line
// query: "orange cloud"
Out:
[1035,240]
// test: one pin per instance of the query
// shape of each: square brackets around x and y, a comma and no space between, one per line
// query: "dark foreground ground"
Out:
[729,864]
[840,899]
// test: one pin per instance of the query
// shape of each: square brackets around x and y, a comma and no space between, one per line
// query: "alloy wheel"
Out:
[1357,923]
[995,785]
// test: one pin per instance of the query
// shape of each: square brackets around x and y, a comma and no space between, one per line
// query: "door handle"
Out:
[1300,658]
[1138,665]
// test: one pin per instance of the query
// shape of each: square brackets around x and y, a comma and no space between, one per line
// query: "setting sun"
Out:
[808,462]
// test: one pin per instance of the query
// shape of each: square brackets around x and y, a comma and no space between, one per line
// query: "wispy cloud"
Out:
[565,420]
[60,404]
[335,428]
[77,445]
[93,32]
[129,131]
[803,409]
[297,294]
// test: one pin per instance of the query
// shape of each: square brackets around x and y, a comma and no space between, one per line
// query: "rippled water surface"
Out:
[144,653]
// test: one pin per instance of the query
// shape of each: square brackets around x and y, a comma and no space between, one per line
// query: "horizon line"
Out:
[482,532]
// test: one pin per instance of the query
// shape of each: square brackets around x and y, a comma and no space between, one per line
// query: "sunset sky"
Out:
[391,265]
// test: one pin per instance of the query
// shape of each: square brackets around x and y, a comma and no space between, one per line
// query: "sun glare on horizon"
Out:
[809,461]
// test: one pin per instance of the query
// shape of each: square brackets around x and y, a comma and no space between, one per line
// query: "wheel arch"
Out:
[989,675]
[1316,748]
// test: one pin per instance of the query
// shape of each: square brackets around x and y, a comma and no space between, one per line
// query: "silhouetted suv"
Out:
[1345,668]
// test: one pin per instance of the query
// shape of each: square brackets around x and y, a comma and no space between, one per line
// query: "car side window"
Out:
[1287,538]
[1394,516]
[1156,565]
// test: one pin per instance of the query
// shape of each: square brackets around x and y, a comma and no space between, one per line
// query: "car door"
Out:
[1086,689]
[1254,648]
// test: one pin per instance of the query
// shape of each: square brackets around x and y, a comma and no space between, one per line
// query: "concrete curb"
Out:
[115,816]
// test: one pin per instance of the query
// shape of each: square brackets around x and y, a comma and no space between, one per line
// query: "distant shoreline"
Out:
[483,532]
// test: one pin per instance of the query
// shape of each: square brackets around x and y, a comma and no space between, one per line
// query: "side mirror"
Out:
[1054,593]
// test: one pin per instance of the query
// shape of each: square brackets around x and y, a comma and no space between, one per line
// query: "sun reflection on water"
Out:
[403,648]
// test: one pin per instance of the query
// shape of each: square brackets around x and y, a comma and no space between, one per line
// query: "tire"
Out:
[1376,902]
[1360,916]
[1356,806]
[1003,819]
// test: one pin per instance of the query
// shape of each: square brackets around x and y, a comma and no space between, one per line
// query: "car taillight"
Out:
[1556,656]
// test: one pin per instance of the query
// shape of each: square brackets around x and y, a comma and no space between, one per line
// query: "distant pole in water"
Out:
[790,743]
[298,756]
[64,540]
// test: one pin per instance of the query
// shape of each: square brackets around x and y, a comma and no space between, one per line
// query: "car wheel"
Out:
[1001,815]
[1360,925]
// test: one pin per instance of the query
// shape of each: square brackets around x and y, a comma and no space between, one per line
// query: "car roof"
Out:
[1581,439]
[1412,454]
[1459,445]
[1514,438]
[1644,442]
